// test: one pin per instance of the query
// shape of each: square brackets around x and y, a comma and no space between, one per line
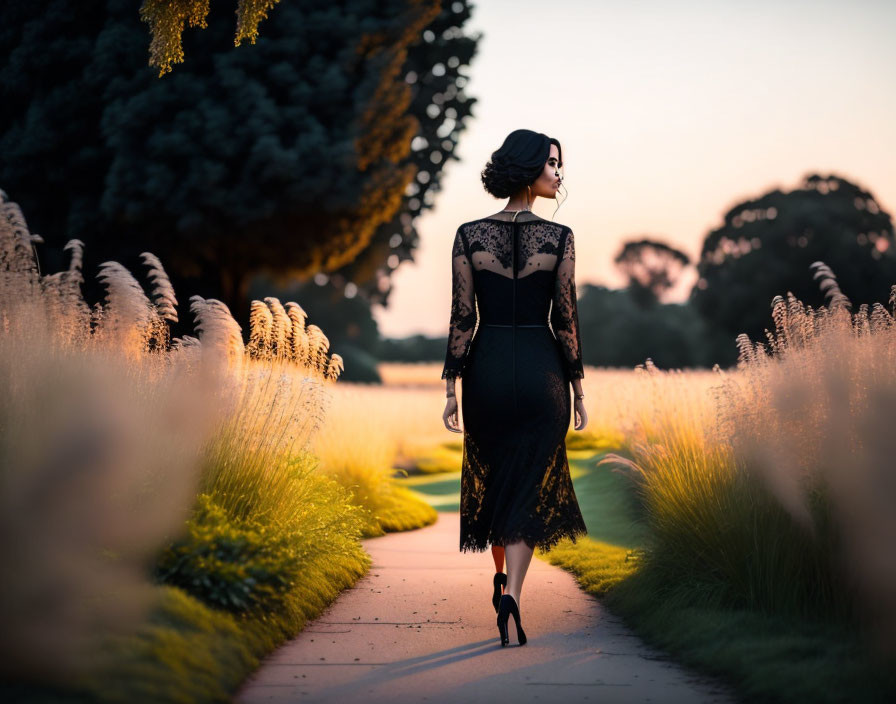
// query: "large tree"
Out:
[765,246]
[435,71]
[652,267]
[287,155]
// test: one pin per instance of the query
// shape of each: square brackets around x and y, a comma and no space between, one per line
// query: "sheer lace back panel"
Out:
[491,245]
[485,290]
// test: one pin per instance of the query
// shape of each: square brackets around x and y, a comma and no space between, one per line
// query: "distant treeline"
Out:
[763,248]
[616,332]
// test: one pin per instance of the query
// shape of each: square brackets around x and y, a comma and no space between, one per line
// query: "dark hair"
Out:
[518,162]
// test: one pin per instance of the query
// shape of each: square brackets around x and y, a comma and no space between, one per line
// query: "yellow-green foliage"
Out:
[245,566]
[384,505]
[713,523]
[263,515]
[402,510]
[447,457]
[189,652]
[596,440]
[598,566]
[167,19]
[357,447]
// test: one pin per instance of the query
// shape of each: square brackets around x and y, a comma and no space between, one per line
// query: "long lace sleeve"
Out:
[564,309]
[463,309]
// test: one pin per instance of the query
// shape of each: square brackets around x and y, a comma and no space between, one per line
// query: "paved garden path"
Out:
[420,627]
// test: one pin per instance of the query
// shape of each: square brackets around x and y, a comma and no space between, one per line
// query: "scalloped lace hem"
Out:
[545,542]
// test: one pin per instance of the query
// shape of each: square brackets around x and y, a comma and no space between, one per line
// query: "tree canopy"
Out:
[289,155]
[765,247]
[652,268]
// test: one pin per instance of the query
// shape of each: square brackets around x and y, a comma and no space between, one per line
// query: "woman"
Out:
[508,271]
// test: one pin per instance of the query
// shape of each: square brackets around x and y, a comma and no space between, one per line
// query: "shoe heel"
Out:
[520,633]
[503,615]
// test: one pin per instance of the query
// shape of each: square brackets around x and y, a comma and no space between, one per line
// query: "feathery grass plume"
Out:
[17,260]
[335,367]
[187,351]
[76,264]
[747,350]
[261,325]
[296,313]
[794,324]
[128,316]
[163,292]
[220,335]
[779,317]
[186,342]
[298,340]
[829,286]
[20,300]
[880,318]
[66,284]
[318,344]
[64,301]
[164,305]
[281,329]
[31,305]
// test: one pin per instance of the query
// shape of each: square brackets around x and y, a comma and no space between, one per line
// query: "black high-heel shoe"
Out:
[509,606]
[499,580]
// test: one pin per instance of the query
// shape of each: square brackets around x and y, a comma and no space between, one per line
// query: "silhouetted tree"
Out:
[652,268]
[765,247]
[285,156]
[619,332]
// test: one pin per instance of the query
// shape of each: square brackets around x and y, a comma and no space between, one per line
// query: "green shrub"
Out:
[231,566]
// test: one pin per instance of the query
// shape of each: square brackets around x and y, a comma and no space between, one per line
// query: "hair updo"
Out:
[518,162]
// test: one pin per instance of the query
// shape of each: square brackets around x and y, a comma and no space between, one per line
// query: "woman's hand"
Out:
[581,415]
[449,417]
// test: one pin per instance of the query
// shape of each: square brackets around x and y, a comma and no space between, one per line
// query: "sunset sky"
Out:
[669,113]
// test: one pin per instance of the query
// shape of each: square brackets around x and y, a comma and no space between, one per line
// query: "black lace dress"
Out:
[510,279]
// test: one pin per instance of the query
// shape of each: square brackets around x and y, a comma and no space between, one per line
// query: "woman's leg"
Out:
[518,554]
[498,557]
